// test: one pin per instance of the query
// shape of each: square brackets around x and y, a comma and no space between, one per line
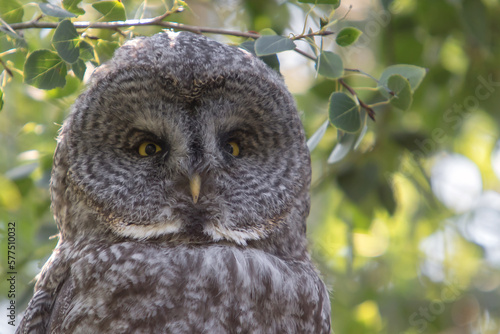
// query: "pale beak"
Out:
[195,185]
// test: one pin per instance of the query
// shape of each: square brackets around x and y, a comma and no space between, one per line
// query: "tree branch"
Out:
[157,21]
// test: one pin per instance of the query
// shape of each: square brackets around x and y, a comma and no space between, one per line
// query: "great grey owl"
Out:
[180,188]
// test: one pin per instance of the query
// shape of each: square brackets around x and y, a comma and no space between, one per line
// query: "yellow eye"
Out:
[148,148]
[233,148]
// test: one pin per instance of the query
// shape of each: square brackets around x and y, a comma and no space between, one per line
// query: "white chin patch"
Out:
[240,237]
[142,232]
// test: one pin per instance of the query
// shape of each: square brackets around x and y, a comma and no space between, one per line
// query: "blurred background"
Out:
[405,229]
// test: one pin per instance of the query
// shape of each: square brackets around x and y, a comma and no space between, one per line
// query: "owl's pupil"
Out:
[229,148]
[150,149]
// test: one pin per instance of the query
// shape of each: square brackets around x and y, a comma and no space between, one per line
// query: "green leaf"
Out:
[106,49]
[316,137]
[347,36]
[414,74]
[344,112]
[11,11]
[66,40]
[86,51]
[267,32]
[249,46]
[322,2]
[79,69]
[271,44]
[45,69]
[73,84]
[54,11]
[72,6]
[1,99]
[112,10]
[343,147]
[272,61]
[401,87]
[330,65]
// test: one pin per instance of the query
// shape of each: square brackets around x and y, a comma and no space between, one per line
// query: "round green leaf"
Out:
[72,6]
[79,69]
[344,112]
[347,36]
[54,11]
[11,11]
[112,10]
[45,69]
[86,51]
[271,44]
[401,87]
[330,65]
[66,40]
[414,74]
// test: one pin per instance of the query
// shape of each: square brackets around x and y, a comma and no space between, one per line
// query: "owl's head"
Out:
[179,136]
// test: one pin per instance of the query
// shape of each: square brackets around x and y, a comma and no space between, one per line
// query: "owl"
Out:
[180,188]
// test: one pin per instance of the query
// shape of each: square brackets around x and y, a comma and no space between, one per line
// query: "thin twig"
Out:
[368,109]
[371,77]
[6,68]
[378,104]
[305,54]
[317,33]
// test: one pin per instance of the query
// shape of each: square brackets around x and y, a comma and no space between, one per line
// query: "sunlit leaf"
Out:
[347,36]
[330,65]
[414,74]
[11,11]
[45,69]
[55,11]
[111,10]
[344,112]
[72,6]
[267,32]
[271,44]
[105,49]
[401,87]
[66,40]
[316,137]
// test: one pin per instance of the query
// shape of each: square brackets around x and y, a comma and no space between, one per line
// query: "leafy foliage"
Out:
[385,237]
[348,36]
